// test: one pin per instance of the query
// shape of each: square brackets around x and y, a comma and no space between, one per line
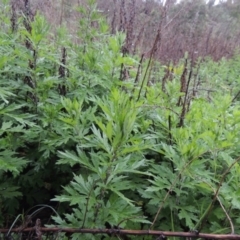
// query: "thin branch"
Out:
[228,217]
[86,209]
[236,96]
[158,38]
[216,194]
[127,232]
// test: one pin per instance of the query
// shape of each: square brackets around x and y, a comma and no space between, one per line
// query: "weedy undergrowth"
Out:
[156,149]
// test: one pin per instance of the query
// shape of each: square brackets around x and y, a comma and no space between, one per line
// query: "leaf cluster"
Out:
[109,151]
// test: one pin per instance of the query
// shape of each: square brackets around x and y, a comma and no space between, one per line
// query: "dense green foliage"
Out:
[140,151]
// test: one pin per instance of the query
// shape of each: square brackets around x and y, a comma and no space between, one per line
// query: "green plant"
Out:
[110,150]
[113,164]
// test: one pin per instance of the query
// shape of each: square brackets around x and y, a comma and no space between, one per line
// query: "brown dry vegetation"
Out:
[191,26]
